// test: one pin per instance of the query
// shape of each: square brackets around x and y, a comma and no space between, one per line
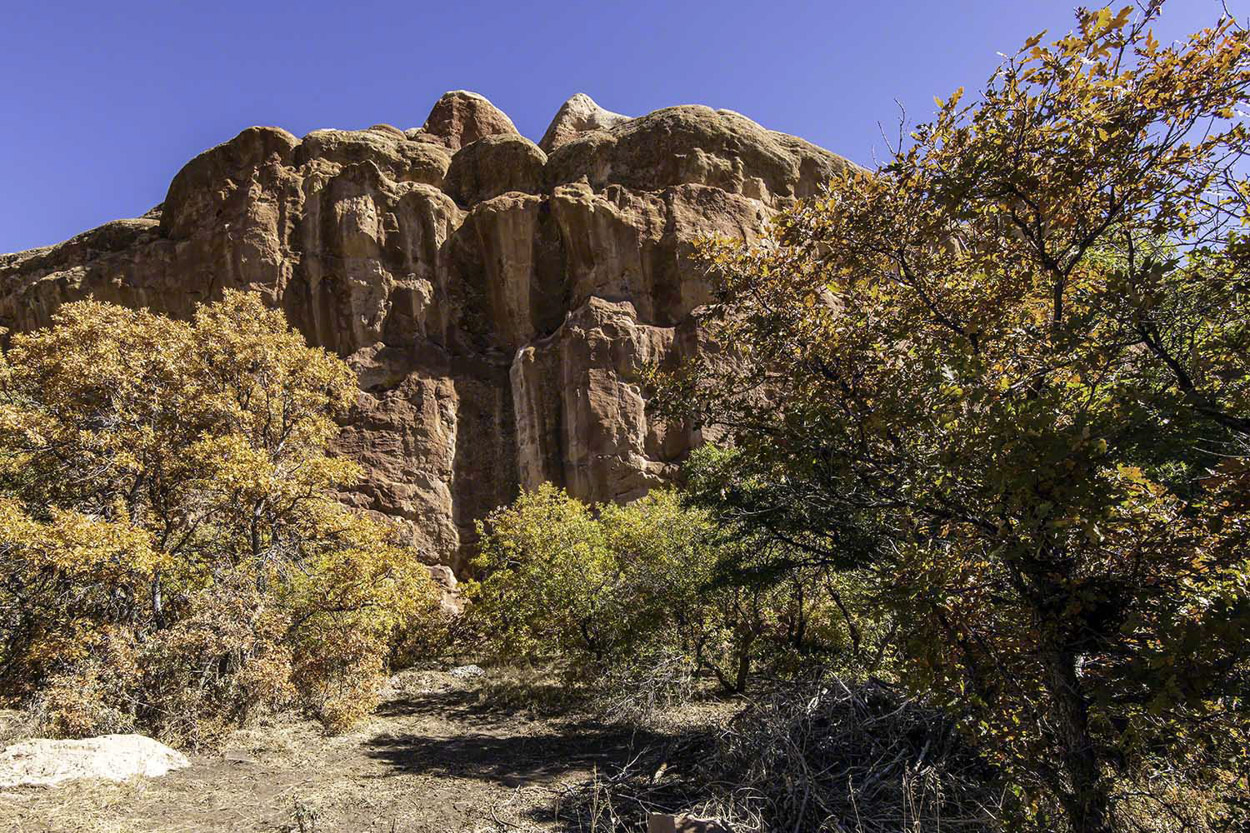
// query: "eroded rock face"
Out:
[461,118]
[498,299]
[495,165]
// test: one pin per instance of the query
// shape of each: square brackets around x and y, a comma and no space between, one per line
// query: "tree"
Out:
[166,495]
[1008,372]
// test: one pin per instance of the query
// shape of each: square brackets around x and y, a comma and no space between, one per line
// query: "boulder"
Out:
[467,672]
[384,146]
[696,145]
[46,763]
[206,186]
[495,165]
[449,600]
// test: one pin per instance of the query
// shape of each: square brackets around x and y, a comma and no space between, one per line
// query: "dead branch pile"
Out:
[819,756]
[830,756]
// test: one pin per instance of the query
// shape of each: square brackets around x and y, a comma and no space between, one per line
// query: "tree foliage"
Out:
[173,553]
[613,588]
[1008,373]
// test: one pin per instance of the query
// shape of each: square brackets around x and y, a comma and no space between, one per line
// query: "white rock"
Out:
[466,672]
[112,757]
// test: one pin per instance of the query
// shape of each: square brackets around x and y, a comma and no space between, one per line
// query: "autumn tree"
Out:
[1008,372]
[173,553]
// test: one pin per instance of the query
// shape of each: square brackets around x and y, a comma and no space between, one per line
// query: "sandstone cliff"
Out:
[497,298]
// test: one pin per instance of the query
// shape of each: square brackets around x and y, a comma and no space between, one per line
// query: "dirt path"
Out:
[433,759]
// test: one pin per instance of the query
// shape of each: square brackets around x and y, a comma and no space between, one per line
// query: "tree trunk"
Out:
[1087,800]
[744,664]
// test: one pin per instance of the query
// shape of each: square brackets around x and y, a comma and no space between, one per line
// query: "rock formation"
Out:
[578,115]
[497,298]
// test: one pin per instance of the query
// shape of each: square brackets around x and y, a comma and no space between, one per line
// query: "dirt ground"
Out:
[439,755]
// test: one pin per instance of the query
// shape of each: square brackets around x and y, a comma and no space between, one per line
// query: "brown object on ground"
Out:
[499,304]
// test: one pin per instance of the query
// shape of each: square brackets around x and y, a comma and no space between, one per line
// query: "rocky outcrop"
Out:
[695,145]
[498,299]
[461,118]
[495,165]
[581,406]
[578,115]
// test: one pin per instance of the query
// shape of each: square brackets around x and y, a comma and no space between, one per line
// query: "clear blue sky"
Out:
[103,102]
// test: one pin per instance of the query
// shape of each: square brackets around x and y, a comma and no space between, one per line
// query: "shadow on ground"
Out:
[515,759]
[467,704]
[503,747]
[441,754]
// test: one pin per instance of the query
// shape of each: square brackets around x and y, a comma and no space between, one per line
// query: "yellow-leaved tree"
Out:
[173,553]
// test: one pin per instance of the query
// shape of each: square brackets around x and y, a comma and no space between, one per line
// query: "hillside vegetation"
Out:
[1007,376]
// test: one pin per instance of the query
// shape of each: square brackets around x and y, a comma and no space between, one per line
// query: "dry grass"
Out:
[16,725]
[441,754]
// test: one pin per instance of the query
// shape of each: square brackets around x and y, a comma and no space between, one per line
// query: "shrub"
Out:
[635,592]
[548,590]
[173,552]
[822,753]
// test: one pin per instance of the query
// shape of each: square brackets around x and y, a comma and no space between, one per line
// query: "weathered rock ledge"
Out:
[497,298]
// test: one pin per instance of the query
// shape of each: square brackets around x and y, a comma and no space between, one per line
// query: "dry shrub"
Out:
[540,690]
[82,702]
[188,684]
[432,638]
[15,725]
[648,684]
[206,673]
[1203,790]
[341,675]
